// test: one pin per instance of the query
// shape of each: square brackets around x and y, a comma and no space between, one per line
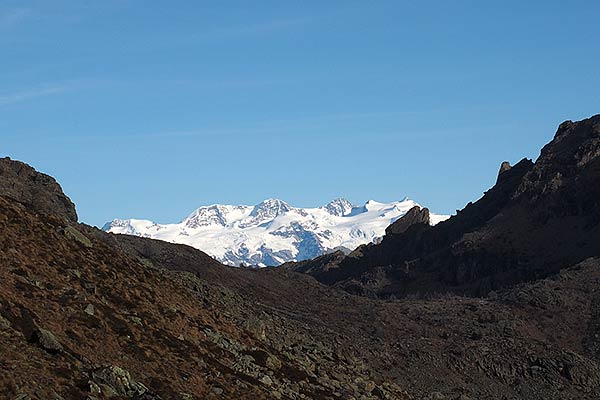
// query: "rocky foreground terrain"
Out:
[445,312]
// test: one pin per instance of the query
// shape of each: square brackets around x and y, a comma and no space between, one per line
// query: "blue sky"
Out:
[150,109]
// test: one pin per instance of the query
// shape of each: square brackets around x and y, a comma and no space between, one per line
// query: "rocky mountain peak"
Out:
[266,211]
[38,192]
[204,216]
[338,207]
[270,208]
[574,141]
[571,158]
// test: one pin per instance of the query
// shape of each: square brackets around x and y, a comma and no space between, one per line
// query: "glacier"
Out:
[273,232]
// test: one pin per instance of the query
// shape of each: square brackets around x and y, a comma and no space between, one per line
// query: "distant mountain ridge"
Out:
[273,232]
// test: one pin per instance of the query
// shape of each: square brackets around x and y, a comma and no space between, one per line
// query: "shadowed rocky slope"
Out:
[538,218]
[89,315]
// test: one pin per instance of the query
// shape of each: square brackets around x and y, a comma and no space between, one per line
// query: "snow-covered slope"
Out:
[273,232]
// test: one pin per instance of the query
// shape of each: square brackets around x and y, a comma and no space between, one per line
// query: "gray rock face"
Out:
[415,215]
[36,191]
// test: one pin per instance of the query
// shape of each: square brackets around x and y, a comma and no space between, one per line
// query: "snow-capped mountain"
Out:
[273,232]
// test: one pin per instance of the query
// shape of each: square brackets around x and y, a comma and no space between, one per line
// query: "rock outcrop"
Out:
[38,192]
[504,167]
[415,215]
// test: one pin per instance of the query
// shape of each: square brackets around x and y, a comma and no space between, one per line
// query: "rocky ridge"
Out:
[539,218]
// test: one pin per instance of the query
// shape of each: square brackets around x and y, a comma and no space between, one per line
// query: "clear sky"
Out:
[150,109]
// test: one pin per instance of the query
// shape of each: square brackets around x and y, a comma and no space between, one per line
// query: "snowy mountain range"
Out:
[273,232]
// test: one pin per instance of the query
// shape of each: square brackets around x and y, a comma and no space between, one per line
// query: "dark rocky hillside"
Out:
[90,315]
[539,218]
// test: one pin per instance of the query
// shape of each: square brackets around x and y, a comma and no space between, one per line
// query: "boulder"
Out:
[47,341]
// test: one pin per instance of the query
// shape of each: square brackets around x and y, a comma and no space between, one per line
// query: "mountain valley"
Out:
[501,301]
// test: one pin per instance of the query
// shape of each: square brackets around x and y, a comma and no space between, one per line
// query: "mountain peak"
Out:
[206,215]
[338,207]
[270,207]
[266,211]
[371,205]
